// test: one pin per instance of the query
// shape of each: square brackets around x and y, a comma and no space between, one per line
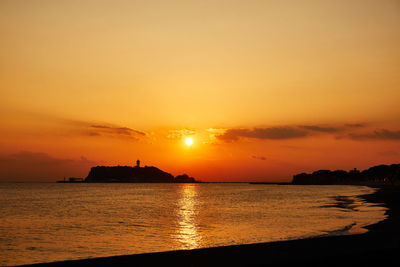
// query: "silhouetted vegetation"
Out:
[381,174]
[184,178]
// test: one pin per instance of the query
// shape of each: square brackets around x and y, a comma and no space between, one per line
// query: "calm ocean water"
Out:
[44,222]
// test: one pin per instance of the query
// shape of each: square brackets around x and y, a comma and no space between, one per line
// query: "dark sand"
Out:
[377,247]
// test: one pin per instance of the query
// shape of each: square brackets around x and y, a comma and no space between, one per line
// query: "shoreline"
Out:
[379,245]
[388,197]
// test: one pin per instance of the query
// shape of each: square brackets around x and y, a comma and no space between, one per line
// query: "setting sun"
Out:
[189,141]
[191,125]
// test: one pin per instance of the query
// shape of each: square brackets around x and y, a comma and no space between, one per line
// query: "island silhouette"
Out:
[130,174]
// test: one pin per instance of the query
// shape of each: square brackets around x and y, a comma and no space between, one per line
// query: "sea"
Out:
[46,222]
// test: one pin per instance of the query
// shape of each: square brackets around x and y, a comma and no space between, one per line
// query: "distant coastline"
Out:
[129,174]
[374,176]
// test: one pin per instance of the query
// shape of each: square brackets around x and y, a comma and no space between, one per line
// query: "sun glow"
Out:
[189,141]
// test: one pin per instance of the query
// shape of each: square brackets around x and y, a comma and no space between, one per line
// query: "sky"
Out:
[266,89]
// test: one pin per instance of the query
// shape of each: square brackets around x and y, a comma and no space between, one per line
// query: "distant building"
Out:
[138,163]
[355,171]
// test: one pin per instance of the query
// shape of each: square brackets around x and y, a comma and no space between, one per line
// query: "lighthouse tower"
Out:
[138,163]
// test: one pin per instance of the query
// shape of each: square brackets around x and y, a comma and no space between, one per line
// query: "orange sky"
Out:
[266,89]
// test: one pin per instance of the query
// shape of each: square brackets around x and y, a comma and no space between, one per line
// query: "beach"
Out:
[378,246]
[199,133]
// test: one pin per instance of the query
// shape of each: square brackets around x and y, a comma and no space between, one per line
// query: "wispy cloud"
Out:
[298,131]
[355,125]
[333,129]
[259,157]
[62,126]
[38,158]
[113,131]
[263,133]
[177,134]
[39,166]
[381,134]
[322,129]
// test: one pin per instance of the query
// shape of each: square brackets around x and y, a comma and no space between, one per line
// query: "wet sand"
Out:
[379,246]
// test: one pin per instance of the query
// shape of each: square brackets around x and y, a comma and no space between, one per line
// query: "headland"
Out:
[379,175]
[130,174]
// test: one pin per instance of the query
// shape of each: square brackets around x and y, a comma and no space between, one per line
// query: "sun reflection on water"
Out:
[187,232]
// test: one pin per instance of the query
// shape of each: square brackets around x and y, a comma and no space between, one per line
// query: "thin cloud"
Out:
[37,157]
[274,133]
[62,126]
[332,129]
[381,134]
[302,131]
[259,157]
[177,134]
[39,166]
[95,130]
[355,125]
[322,129]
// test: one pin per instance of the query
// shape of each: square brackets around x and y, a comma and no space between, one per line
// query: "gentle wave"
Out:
[51,222]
